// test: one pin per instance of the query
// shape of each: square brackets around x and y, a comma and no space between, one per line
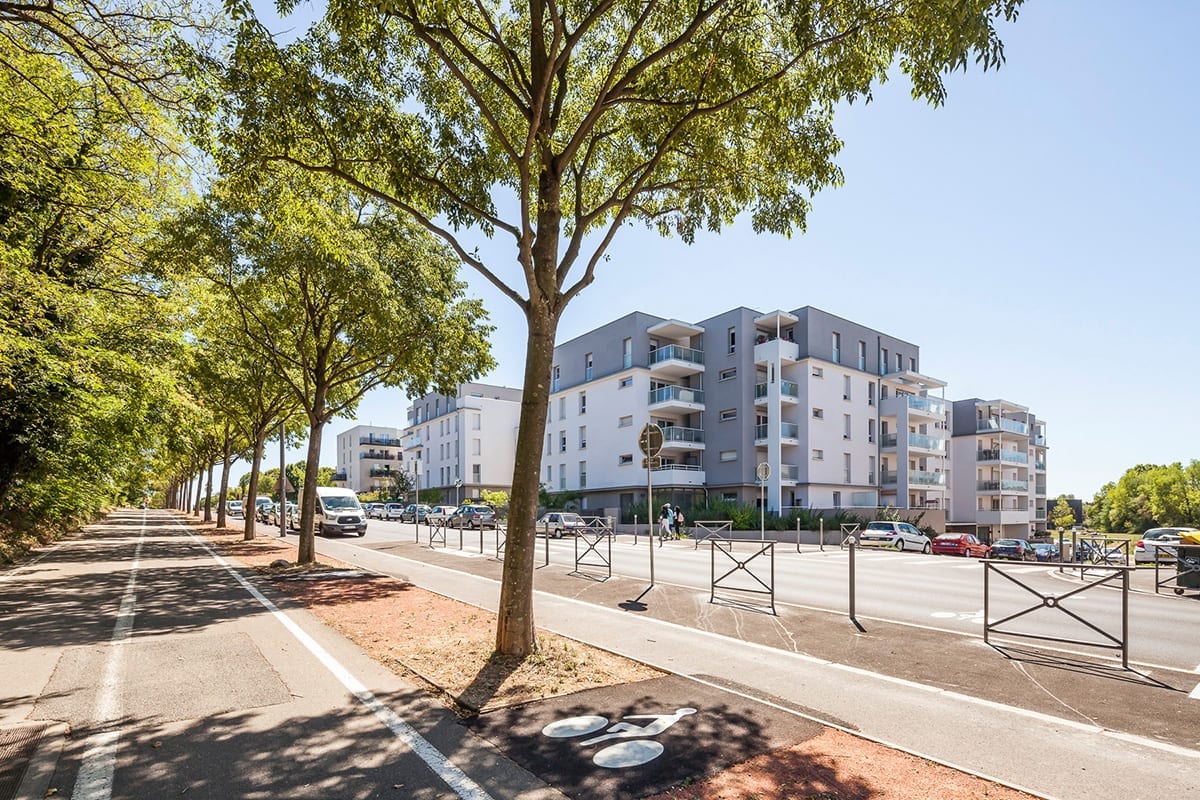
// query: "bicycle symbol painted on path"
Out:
[630,753]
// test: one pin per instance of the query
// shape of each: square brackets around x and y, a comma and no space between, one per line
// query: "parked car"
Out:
[393,511]
[439,515]
[233,508]
[1046,551]
[1097,553]
[556,523]
[900,535]
[375,510]
[273,515]
[959,544]
[1017,549]
[1145,551]
[262,508]
[472,516]
[414,512]
[337,511]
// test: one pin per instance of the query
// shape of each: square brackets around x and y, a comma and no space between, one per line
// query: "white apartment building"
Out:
[463,443]
[999,481]
[365,456]
[838,411]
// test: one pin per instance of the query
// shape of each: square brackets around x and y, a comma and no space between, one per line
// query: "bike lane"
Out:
[173,679]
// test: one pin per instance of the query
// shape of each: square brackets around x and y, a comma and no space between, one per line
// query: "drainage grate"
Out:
[17,746]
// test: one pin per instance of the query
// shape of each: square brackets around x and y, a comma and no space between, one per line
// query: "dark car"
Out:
[1046,551]
[472,516]
[959,544]
[414,513]
[1016,549]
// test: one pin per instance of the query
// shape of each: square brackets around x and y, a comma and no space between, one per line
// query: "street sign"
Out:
[290,489]
[763,471]
[651,462]
[650,440]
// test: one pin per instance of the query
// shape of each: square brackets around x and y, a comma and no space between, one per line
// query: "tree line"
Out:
[1148,496]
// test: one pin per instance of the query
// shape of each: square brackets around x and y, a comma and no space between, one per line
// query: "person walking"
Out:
[678,522]
[665,518]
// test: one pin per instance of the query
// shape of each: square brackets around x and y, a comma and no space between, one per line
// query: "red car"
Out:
[959,544]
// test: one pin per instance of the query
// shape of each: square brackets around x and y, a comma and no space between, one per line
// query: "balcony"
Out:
[789,474]
[380,472]
[789,434]
[679,438]
[789,392]
[678,475]
[1040,440]
[1002,516]
[339,477]
[916,477]
[675,361]
[768,350]
[382,441]
[1040,466]
[920,441]
[1039,489]
[1002,486]
[995,454]
[412,443]
[676,398]
[1001,424]
[376,456]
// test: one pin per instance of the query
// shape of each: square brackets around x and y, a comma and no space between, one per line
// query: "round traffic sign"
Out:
[763,471]
[650,440]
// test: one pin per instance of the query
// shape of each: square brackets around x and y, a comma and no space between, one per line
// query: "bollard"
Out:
[853,616]
[822,521]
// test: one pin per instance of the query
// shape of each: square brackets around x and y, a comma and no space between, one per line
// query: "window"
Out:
[562,408]
[728,414]
[582,474]
[555,379]
[625,382]
[845,387]
[625,422]
[846,426]
[862,355]
[818,413]
[883,359]
[475,447]
[562,477]
[583,402]
[582,437]
[476,474]
[899,362]
[627,353]
[871,470]
[818,455]
[549,442]
[837,348]
[837,499]
[870,394]
[912,365]
[818,372]
[727,374]
[625,459]
[732,340]
[871,431]
[729,455]
[587,367]
[845,468]
[562,441]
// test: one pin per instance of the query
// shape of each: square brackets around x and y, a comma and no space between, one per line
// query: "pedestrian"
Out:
[665,518]
[678,522]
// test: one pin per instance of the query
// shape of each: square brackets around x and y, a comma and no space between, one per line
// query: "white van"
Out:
[337,511]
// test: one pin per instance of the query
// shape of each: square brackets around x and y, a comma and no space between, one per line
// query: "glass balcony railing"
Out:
[674,433]
[887,440]
[339,476]
[789,472]
[677,352]
[789,430]
[918,477]
[1040,465]
[1002,486]
[930,405]
[1008,456]
[786,388]
[994,424]
[760,432]
[373,456]
[678,394]
[382,441]
[926,442]
[888,477]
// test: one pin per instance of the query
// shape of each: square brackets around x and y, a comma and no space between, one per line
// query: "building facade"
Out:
[463,443]
[838,412]
[999,481]
[366,454]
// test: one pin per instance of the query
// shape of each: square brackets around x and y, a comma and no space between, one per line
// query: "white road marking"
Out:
[437,761]
[95,778]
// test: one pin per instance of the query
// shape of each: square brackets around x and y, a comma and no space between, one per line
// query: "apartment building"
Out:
[366,454]
[463,443]
[998,448]
[838,411]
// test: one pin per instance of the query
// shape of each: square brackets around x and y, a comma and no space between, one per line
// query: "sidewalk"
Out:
[1082,731]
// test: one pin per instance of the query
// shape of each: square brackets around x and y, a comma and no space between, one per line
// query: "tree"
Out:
[335,296]
[555,125]
[399,484]
[1062,515]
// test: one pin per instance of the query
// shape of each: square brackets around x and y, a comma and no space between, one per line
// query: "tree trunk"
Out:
[199,489]
[308,543]
[250,504]
[515,632]
[208,495]
[223,498]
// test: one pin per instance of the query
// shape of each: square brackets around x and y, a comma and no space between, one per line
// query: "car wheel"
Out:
[926,549]
[966,553]
[900,545]
[362,533]
[558,533]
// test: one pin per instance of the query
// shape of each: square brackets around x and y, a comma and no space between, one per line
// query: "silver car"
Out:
[898,535]
[1146,549]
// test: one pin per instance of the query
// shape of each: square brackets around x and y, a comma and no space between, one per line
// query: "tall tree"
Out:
[1062,515]
[555,124]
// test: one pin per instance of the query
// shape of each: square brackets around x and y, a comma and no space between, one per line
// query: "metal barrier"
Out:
[592,542]
[1109,641]
[437,533]
[1093,552]
[1181,567]
[743,566]
[849,529]
[500,543]
[713,528]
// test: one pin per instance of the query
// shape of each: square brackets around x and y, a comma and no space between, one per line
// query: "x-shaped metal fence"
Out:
[743,566]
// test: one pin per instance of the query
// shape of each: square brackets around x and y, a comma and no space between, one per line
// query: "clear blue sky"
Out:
[1036,237]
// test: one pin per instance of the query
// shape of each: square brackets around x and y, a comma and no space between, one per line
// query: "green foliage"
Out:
[431,497]
[1062,515]
[497,500]
[1148,496]
[559,501]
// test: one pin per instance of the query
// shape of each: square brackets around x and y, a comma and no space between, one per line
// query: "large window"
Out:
[627,353]
[582,437]
[476,474]
[845,387]
[731,338]
[837,348]
[846,468]
[587,367]
[556,378]
[862,355]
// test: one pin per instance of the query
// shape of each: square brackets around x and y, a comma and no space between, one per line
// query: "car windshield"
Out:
[340,503]
[949,537]
[879,526]
[1008,543]
[1160,533]
[572,518]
